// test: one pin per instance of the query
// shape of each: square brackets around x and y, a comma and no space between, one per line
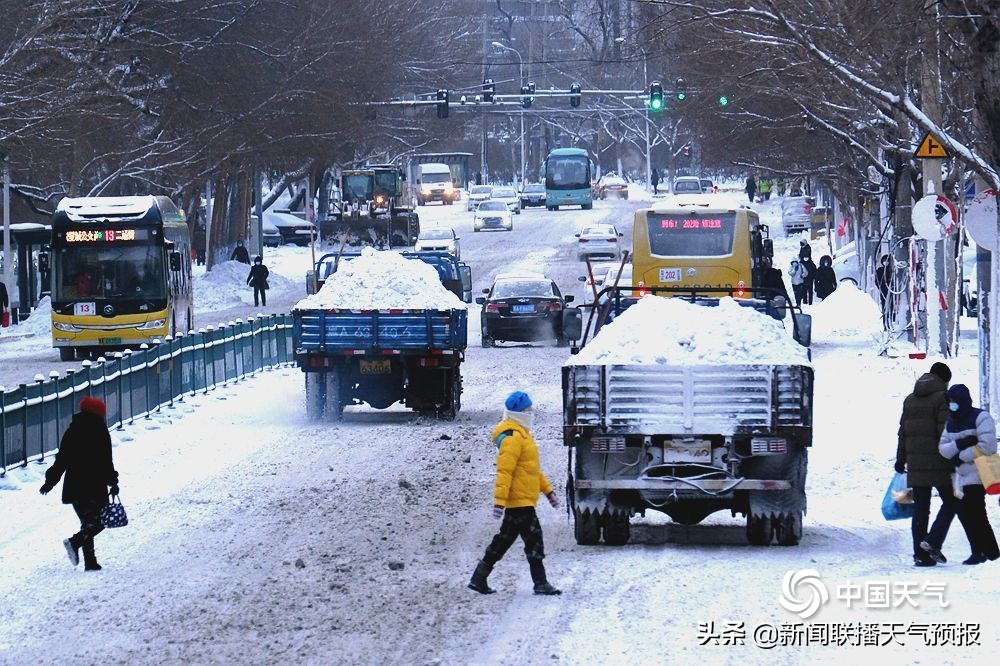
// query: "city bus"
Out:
[567,173]
[121,273]
[700,242]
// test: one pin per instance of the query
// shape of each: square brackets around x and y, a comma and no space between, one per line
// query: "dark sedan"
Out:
[522,308]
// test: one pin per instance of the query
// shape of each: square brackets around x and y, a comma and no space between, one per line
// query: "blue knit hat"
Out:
[518,401]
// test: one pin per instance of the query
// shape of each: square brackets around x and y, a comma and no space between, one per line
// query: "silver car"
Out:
[509,196]
[438,238]
[478,194]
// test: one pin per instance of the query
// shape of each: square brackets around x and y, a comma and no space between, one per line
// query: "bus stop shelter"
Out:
[32,240]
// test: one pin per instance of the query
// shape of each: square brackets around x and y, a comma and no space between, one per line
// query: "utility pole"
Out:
[8,263]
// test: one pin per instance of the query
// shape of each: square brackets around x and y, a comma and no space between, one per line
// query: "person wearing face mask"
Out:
[925,412]
[968,429]
[519,481]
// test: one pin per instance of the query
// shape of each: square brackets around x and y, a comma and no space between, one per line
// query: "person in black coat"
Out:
[240,253]
[258,280]
[826,277]
[85,458]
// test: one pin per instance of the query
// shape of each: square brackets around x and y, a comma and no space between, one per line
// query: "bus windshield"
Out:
[103,272]
[567,172]
[691,235]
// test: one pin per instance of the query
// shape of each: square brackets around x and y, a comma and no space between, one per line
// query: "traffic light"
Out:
[489,88]
[723,100]
[442,103]
[681,89]
[528,95]
[655,96]
[574,95]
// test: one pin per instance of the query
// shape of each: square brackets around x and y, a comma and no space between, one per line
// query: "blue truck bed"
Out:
[406,331]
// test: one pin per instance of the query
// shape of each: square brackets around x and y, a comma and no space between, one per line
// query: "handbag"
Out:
[266,285]
[891,509]
[113,514]
[988,467]
[5,319]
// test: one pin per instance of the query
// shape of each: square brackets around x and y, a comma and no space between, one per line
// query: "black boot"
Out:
[89,558]
[538,578]
[72,546]
[478,582]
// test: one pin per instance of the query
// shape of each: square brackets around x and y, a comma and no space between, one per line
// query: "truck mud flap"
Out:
[791,467]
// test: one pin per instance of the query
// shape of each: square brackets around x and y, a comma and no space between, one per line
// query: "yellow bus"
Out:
[702,241]
[121,273]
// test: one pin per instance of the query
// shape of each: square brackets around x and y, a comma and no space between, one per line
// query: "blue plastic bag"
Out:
[891,509]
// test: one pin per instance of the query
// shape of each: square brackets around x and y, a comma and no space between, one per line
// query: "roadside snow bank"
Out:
[379,280]
[672,331]
[846,313]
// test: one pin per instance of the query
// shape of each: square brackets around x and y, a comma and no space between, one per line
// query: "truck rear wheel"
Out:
[314,395]
[759,529]
[616,528]
[455,404]
[788,529]
[586,527]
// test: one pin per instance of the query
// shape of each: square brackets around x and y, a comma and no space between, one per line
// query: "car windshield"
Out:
[481,189]
[535,187]
[436,234]
[492,205]
[523,289]
[501,192]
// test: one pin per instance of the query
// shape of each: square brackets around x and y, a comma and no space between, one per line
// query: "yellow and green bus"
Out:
[700,242]
[121,273]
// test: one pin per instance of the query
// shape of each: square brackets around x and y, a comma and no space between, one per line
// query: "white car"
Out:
[598,240]
[509,196]
[493,215]
[478,194]
[438,238]
[687,185]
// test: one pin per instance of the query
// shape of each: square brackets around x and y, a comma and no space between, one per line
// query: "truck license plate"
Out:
[110,341]
[687,450]
[382,366]
[670,275]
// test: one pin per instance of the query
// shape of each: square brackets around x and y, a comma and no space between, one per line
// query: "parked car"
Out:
[292,228]
[533,194]
[796,214]
[493,215]
[509,196]
[522,307]
[270,235]
[478,194]
[687,185]
[612,186]
[598,240]
[438,238]
[707,186]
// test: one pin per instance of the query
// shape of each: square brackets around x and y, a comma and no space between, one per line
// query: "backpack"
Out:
[501,436]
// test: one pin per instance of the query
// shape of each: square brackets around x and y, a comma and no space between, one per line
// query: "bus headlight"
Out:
[65,327]
[149,325]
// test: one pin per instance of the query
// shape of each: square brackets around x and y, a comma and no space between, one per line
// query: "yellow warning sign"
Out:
[930,147]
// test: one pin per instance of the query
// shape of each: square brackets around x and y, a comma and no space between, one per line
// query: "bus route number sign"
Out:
[691,223]
[670,275]
[84,309]
[99,235]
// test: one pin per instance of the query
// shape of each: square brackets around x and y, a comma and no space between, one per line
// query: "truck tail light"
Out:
[741,290]
[642,290]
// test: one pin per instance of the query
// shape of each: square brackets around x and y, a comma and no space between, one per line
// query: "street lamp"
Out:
[520,74]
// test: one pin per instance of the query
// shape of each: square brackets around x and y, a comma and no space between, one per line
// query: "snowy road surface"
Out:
[258,537]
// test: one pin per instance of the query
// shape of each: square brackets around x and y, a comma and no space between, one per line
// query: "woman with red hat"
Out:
[85,458]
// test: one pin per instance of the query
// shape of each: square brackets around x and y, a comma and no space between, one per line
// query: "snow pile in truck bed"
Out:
[379,280]
[672,331]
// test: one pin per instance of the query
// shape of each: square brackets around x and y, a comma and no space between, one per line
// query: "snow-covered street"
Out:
[258,536]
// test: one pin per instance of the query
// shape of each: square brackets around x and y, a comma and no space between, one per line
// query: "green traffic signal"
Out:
[656,104]
[655,96]
[723,100]
[681,96]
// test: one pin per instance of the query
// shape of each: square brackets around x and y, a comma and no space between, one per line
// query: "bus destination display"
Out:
[691,223]
[106,235]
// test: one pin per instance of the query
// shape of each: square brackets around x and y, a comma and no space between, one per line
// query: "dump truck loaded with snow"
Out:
[382,329]
[688,409]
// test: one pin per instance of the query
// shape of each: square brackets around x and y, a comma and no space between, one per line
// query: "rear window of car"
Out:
[523,289]
[687,186]
[599,231]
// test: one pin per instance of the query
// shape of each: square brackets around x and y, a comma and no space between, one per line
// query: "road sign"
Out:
[981,220]
[934,217]
[930,147]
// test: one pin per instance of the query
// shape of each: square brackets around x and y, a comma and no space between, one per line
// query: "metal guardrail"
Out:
[136,383]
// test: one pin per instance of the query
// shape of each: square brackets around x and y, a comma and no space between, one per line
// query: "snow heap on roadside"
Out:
[672,331]
[379,280]
[846,313]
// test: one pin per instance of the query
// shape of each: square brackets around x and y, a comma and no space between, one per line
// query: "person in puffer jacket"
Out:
[967,430]
[519,481]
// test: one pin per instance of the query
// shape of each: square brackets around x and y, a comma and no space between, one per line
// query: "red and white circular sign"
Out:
[981,220]
[934,217]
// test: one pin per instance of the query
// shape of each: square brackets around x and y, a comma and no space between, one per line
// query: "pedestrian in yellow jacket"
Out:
[519,482]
